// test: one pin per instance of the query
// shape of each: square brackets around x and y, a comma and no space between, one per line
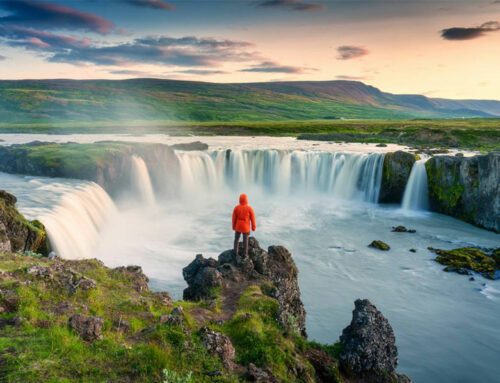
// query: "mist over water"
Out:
[321,206]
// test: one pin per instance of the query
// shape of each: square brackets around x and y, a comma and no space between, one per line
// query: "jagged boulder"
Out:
[89,328]
[16,232]
[220,345]
[467,188]
[138,279]
[395,173]
[369,346]
[274,268]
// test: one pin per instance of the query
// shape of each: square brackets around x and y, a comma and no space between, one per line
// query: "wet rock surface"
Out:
[395,173]
[467,188]
[369,346]
[380,245]
[196,145]
[274,268]
[16,233]
[466,259]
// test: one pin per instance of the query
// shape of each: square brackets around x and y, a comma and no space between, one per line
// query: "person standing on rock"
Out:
[243,216]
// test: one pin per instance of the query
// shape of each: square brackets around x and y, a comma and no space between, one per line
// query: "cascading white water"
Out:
[141,181]
[343,175]
[73,226]
[416,195]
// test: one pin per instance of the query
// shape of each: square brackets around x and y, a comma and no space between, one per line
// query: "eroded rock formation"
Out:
[467,188]
[274,269]
[369,348]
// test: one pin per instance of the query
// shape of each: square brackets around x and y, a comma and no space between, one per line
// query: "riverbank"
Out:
[469,134]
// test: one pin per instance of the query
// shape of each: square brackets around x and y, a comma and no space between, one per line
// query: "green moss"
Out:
[467,258]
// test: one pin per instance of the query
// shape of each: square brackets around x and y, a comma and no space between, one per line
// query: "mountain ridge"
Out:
[63,100]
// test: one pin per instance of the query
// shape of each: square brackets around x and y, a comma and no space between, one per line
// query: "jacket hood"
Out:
[243,199]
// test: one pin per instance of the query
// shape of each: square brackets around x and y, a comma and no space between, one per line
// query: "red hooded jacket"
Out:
[243,214]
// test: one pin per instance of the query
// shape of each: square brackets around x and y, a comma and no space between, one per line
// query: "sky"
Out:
[436,48]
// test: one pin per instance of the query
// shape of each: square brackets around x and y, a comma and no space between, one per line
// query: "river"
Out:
[316,199]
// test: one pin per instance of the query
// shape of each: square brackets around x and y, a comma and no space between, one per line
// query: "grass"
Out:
[44,348]
[476,133]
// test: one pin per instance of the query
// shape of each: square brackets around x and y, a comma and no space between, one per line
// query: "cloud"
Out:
[202,72]
[35,39]
[154,4]
[294,5]
[273,67]
[348,52]
[2,58]
[32,13]
[350,78]
[460,33]
[186,51]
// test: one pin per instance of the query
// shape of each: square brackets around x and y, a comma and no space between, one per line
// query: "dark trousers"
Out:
[245,242]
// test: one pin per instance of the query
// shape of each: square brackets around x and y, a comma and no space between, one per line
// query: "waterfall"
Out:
[416,194]
[73,225]
[342,175]
[141,182]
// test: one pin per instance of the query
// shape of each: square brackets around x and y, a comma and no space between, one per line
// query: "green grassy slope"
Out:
[52,101]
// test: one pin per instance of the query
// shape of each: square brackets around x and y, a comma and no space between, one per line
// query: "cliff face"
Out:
[17,234]
[106,163]
[395,173]
[467,188]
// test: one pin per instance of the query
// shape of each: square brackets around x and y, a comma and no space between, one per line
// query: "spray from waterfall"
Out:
[141,182]
[73,226]
[416,195]
[342,175]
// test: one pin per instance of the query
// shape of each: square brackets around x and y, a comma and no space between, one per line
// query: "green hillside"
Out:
[64,101]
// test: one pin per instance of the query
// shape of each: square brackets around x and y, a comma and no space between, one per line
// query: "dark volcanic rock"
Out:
[369,346]
[89,328]
[274,267]
[467,188]
[218,344]
[17,233]
[395,174]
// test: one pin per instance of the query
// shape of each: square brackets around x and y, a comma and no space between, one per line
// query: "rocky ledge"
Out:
[244,321]
[17,234]
[274,271]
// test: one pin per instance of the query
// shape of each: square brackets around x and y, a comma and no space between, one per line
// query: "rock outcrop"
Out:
[395,173]
[89,328]
[467,188]
[107,163]
[369,346]
[196,145]
[17,234]
[274,268]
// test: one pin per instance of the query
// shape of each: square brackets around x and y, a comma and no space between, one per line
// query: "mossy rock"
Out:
[469,259]
[380,245]
[395,173]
